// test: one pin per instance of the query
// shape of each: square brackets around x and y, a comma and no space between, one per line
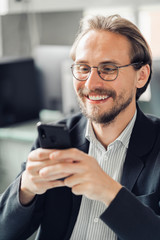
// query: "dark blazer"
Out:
[132,215]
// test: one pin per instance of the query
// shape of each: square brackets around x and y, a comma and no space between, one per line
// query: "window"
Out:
[149,24]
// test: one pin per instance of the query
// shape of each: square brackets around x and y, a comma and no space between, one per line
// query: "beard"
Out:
[93,112]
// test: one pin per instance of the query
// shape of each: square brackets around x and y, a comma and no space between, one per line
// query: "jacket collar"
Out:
[143,135]
[77,135]
[141,141]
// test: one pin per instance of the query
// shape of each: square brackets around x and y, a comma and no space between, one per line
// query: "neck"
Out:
[107,133]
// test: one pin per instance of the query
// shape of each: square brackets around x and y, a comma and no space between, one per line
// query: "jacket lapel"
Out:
[77,135]
[133,166]
[141,142]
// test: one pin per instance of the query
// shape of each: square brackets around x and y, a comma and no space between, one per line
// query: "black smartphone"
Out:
[53,136]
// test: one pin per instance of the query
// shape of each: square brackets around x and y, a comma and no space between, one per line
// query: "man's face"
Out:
[103,101]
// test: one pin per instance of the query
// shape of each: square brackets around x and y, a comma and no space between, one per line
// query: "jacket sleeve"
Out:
[130,219]
[16,218]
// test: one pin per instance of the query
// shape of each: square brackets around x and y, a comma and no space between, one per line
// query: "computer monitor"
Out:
[20,93]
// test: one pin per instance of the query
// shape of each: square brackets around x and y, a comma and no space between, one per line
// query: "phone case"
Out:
[54,136]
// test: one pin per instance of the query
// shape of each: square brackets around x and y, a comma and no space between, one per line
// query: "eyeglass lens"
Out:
[107,72]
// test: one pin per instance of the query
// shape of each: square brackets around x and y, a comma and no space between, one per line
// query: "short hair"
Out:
[140,50]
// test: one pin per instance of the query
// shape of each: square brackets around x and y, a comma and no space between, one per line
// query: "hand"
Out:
[86,177]
[32,182]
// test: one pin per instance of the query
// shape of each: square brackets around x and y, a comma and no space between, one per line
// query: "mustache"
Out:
[99,91]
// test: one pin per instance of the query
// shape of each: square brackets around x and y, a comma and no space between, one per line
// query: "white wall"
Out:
[22,32]
[68,5]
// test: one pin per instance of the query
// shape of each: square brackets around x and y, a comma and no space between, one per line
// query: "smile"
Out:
[98,97]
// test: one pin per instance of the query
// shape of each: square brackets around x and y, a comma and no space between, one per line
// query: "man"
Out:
[112,178]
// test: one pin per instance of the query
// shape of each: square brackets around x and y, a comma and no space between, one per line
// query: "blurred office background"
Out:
[35,77]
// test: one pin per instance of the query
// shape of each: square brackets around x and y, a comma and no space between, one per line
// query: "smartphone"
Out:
[53,136]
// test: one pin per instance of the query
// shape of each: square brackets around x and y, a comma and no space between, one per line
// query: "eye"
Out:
[108,69]
[82,68]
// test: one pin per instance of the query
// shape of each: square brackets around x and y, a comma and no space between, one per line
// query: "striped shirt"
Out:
[89,226]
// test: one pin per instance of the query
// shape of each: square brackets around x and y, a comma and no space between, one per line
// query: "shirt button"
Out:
[95,220]
[105,158]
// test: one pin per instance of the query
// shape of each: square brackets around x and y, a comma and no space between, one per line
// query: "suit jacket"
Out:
[132,215]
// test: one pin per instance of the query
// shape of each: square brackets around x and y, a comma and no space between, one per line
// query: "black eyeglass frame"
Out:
[116,67]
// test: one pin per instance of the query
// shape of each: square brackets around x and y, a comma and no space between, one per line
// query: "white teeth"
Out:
[97,97]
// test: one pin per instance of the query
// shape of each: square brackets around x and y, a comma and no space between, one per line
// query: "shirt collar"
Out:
[124,137]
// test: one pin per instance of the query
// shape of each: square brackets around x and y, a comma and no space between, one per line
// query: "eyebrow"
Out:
[110,62]
[103,62]
[81,61]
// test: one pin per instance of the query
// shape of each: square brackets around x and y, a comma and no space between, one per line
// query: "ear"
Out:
[143,75]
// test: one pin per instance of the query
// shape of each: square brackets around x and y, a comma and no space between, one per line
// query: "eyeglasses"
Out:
[106,71]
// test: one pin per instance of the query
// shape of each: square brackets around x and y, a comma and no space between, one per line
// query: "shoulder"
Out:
[154,120]
[74,120]
[146,121]
[146,133]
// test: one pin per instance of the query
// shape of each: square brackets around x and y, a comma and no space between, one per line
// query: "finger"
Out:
[40,154]
[54,184]
[42,187]
[74,180]
[53,177]
[87,189]
[59,168]
[33,167]
[78,189]
[72,154]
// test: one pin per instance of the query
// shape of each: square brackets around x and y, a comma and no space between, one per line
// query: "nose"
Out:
[94,81]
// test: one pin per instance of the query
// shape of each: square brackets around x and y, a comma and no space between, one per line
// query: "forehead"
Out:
[103,45]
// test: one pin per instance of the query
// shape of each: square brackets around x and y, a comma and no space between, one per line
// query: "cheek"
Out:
[77,85]
[126,85]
